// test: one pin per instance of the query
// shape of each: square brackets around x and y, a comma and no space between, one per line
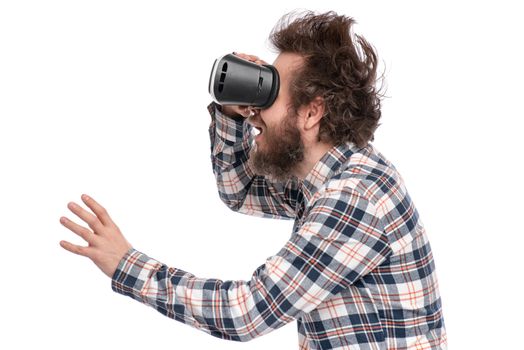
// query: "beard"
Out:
[283,151]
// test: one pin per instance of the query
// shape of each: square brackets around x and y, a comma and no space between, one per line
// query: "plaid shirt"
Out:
[356,273]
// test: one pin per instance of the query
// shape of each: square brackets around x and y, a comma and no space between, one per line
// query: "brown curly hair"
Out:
[336,69]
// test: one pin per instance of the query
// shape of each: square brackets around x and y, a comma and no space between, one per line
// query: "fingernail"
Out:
[85,197]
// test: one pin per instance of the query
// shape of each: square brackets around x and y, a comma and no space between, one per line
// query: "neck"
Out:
[312,155]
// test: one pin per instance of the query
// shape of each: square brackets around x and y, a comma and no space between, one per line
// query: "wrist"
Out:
[230,112]
[227,110]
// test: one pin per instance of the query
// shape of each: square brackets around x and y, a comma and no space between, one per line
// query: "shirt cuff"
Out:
[227,128]
[132,274]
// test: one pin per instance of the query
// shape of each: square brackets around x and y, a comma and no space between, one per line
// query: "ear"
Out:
[313,113]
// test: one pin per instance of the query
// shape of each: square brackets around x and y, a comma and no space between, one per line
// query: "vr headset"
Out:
[236,81]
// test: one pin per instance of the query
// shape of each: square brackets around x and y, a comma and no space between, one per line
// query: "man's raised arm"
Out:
[239,187]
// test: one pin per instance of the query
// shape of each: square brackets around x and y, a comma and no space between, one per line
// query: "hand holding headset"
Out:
[238,81]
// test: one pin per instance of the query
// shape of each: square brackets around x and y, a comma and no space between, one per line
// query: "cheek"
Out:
[273,114]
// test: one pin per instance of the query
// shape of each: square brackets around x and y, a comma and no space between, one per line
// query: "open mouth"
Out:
[257,131]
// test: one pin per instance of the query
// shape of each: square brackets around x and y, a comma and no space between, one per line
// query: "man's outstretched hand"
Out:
[107,246]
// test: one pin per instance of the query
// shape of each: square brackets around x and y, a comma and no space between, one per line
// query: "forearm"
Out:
[231,310]
[230,145]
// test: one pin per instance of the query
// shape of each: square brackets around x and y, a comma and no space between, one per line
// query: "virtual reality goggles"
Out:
[236,81]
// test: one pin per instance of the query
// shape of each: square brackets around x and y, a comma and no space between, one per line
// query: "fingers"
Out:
[73,248]
[93,222]
[99,223]
[99,210]
[251,58]
[236,110]
[83,232]
[246,56]
[248,111]
[244,111]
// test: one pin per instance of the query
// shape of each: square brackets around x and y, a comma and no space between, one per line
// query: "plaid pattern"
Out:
[356,273]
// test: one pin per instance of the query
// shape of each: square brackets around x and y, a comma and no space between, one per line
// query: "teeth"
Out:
[256,131]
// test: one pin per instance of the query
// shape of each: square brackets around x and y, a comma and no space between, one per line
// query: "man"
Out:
[357,271]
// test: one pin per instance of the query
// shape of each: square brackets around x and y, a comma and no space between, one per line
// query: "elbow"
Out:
[231,335]
[232,202]
[244,338]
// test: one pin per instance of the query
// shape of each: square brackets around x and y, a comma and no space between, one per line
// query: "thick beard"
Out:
[285,152]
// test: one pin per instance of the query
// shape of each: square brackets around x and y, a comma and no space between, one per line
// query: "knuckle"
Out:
[81,232]
[94,225]
[85,251]
[86,235]
[101,207]
[91,221]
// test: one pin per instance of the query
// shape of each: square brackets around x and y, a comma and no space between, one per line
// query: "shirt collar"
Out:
[327,167]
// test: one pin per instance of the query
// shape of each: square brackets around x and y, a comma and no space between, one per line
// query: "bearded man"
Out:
[357,271]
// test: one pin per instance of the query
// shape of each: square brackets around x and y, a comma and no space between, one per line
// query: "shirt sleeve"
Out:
[341,240]
[238,186]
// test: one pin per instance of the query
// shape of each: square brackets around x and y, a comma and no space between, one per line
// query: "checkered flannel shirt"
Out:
[356,273]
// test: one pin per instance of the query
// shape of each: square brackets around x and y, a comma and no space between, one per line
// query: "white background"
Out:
[109,98]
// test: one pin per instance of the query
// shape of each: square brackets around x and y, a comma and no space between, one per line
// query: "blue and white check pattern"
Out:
[356,273]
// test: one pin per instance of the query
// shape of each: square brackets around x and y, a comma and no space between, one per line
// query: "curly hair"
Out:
[335,68]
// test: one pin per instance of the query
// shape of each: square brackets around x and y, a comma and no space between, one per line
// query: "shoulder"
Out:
[369,177]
